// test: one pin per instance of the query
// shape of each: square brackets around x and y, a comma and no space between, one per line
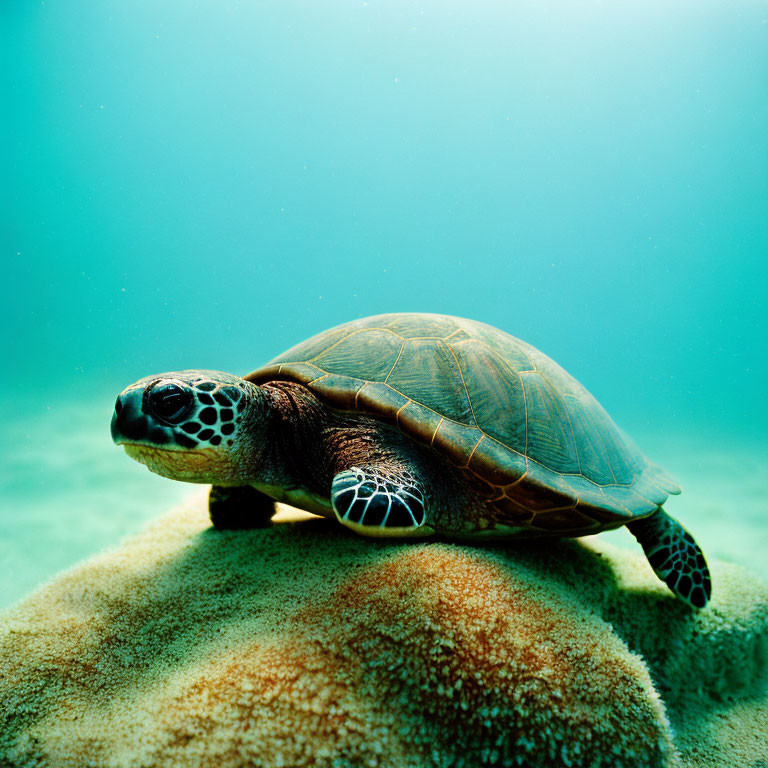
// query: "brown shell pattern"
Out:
[547,454]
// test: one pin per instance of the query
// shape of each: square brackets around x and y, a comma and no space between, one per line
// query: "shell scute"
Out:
[513,513]
[380,400]
[592,453]
[303,371]
[494,463]
[455,441]
[435,326]
[419,422]
[631,500]
[540,494]
[426,372]
[549,436]
[343,389]
[369,353]
[495,389]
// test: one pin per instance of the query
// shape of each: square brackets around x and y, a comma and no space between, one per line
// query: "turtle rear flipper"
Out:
[675,557]
[376,501]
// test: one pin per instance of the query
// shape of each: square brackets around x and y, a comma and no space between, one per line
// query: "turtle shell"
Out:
[542,449]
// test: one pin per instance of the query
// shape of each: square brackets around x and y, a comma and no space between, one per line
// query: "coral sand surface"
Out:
[302,645]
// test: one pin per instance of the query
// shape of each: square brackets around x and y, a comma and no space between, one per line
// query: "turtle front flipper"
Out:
[376,501]
[675,557]
[239,507]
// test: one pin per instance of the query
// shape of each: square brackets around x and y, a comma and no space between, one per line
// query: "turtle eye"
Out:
[170,402]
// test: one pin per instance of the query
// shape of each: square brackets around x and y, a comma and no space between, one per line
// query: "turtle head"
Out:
[196,426]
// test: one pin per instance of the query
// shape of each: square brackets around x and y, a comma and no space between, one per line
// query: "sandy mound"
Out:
[302,645]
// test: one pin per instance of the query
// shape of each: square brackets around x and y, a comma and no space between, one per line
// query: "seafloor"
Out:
[304,645]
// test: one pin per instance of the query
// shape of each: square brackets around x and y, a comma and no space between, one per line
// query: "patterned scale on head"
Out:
[192,411]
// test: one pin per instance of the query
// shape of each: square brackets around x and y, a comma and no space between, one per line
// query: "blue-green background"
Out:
[202,184]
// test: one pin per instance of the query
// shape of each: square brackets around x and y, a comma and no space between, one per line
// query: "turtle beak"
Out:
[129,424]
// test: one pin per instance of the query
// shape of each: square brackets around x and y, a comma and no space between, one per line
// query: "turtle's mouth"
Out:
[204,465]
[136,450]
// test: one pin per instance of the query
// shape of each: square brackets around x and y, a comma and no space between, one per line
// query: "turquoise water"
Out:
[204,184]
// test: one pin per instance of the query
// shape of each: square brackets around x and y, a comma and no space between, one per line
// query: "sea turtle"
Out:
[410,425]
